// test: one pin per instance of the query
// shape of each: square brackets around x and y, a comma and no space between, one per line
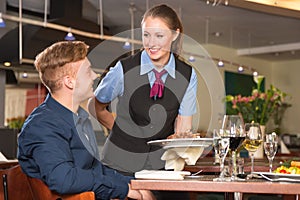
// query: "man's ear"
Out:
[68,81]
[176,34]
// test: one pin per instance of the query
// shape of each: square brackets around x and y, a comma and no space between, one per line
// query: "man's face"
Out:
[84,81]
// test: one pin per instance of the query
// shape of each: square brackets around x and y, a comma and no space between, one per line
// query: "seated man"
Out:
[57,142]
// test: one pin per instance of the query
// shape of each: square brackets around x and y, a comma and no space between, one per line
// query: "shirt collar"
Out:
[81,114]
[147,66]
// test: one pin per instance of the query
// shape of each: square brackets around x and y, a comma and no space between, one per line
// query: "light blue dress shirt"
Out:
[112,85]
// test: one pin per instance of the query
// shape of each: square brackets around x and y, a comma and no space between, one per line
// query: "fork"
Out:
[198,172]
[280,179]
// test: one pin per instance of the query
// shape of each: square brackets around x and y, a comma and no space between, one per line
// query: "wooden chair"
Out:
[20,186]
[41,191]
[16,185]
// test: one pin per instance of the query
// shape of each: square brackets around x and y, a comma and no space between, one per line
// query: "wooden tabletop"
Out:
[206,184]
[198,185]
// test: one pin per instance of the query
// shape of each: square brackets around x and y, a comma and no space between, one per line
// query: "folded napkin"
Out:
[177,157]
[283,147]
[2,157]
[161,174]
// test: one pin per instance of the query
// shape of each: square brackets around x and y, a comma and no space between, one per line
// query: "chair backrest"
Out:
[21,186]
[41,191]
[17,184]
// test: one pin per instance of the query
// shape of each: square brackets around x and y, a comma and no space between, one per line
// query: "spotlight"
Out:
[2,22]
[192,59]
[255,73]
[70,36]
[240,69]
[126,45]
[220,63]
[25,75]
[7,64]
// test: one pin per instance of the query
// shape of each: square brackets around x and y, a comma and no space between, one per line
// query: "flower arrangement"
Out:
[258,107]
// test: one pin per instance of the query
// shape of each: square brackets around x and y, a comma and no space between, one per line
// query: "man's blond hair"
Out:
[56,61]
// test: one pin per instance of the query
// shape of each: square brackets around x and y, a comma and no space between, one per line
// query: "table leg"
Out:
[238,196]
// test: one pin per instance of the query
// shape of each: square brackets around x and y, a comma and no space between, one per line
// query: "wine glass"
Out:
[216,137]
[252,141]
[221,146]
[270,147]
[233,128]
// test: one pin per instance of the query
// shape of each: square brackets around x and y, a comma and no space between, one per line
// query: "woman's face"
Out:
[157,40]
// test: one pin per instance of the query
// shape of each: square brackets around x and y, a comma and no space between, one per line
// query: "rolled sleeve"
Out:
[112,85]
[188,105]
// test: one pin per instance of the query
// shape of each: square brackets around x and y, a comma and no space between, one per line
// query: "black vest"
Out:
[141,118]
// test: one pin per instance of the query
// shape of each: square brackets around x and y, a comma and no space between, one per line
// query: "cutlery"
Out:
[280,179]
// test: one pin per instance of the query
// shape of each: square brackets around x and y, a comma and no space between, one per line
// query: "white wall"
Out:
[284,75]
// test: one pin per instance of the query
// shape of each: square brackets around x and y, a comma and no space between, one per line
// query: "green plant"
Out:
[16,122]
[257,107]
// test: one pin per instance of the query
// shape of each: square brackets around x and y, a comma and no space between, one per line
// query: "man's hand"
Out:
[135,194]
[140,194]
[147,195]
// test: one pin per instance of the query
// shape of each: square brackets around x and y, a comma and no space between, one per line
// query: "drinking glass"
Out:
[233,128]
[252,141]
[216,137]
[270,147]
[221,146]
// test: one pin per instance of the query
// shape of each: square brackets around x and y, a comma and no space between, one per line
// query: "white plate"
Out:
[161,174]
[276,177]
[182,142]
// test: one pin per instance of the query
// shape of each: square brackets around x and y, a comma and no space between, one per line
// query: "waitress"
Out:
[154,88]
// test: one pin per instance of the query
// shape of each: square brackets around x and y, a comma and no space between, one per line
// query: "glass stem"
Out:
[233,175]
[252,163]
[271,164]
[222,167]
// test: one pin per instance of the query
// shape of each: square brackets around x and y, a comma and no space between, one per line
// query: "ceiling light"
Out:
[25,75]
[240,69]
[2,22]
[192,59]
[220,63]
[126,45]
[70,36]
[7,64]
[217,34]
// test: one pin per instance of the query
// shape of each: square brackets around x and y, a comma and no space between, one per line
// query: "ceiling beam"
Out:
[269,49]
[264,8]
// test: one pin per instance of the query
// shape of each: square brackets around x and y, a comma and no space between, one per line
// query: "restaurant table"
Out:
[206,184]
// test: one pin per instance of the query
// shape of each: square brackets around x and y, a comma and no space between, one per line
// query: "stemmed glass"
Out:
[252,141]
[221,146]
[270,147]
[233,128]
